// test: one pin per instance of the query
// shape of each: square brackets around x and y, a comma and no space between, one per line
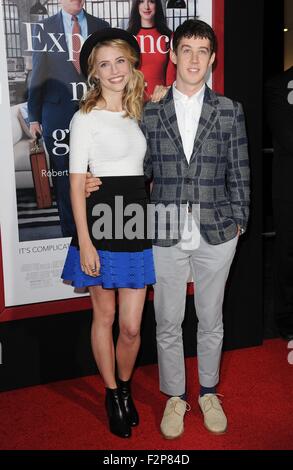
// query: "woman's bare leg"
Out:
[103,301]
[131,303]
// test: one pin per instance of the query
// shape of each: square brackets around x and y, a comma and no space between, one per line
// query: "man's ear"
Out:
[212,59]
[173,57]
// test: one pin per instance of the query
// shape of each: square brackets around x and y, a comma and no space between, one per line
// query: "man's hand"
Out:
[35,128]
[240,231]
[92,184]
[159,92]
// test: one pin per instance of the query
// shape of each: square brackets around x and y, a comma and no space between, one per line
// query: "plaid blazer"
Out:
[217,175]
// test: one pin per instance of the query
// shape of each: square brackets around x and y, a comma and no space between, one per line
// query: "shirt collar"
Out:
[67,17]
[196,97]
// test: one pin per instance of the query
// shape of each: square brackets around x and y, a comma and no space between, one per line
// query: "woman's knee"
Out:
[103,311]
[129,332]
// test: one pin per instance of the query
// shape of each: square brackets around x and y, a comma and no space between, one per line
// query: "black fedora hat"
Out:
[101,35]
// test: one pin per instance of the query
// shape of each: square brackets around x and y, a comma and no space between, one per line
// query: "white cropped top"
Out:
[107,142]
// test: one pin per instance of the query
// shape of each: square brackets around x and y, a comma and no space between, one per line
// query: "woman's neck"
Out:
[147,23]
[111,102]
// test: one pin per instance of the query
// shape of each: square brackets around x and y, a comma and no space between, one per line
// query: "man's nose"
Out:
[194,57]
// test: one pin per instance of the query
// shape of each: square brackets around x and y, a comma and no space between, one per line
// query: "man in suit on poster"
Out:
[55,89]
[198,161]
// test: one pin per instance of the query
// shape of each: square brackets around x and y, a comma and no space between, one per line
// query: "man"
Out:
[56,87]
[279,98]
[197,157]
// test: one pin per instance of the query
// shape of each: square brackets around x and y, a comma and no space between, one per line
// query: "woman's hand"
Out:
[89,259]
[159,92]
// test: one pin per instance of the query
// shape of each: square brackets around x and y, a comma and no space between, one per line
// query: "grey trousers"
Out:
[209,265]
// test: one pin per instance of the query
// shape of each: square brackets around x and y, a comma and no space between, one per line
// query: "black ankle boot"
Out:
[130,410]
[118,422]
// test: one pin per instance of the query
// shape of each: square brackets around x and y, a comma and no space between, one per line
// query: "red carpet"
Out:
[257,384]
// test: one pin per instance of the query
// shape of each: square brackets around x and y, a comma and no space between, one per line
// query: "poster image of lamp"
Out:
[38,11]
[176,4]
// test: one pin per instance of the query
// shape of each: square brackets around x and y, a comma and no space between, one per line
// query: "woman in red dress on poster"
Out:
[148,23]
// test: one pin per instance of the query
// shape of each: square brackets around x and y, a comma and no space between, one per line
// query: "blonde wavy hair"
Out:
[132,99]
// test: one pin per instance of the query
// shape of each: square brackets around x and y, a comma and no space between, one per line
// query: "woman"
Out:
[106,137]
[148,23]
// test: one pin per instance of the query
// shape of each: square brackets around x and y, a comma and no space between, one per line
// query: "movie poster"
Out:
[41,86]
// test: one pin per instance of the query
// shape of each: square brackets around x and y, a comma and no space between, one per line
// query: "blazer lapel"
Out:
[167,115]
[60,30]
[91,23]
[208,117]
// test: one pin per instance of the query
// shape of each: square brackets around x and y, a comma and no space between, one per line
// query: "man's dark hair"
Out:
[195,29]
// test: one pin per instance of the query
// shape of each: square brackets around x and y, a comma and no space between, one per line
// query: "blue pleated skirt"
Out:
[118,269]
